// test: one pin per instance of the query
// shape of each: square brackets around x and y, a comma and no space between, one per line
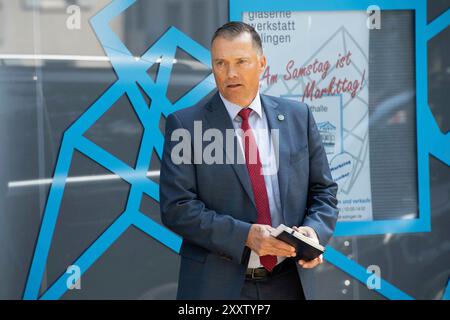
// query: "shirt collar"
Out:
[233,109]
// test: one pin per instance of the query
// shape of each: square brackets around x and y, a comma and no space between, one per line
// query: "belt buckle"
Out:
[252,275]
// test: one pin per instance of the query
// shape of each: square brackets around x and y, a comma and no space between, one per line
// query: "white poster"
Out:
[321,58]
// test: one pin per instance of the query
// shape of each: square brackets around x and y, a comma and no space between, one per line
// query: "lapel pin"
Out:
[280,117]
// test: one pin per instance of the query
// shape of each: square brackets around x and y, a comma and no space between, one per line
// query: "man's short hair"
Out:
[234,29]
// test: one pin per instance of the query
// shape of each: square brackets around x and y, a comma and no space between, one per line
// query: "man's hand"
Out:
[260,241]
[310,233]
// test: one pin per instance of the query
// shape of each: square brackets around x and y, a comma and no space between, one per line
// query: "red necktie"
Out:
[255,172]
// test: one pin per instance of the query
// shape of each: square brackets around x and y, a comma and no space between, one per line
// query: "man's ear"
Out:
[262,63]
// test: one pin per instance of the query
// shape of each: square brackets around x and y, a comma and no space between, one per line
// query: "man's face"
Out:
[237,68]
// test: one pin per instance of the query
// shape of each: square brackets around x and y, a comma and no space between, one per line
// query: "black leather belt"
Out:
[261,273]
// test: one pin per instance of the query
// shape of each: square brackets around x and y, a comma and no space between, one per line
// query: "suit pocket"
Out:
[193,252]
[299,155]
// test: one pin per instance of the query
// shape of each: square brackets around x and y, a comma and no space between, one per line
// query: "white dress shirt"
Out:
[261,132]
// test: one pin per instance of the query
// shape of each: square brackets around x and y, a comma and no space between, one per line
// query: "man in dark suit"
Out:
[224,210]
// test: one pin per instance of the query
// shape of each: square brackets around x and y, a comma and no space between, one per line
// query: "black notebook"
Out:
[306,248]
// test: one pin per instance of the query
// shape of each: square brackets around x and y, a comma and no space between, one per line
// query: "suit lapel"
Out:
[219,118]
[273,110]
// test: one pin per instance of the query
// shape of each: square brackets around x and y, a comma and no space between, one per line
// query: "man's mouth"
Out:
[234,85]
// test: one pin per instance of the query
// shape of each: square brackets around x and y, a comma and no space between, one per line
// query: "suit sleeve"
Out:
[185,214]
[322,211]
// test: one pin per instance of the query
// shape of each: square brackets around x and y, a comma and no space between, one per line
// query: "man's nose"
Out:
[232,72]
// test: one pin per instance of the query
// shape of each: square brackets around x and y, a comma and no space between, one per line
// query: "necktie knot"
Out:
[245,113]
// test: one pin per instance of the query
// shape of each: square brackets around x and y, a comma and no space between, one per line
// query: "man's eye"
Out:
[219,63]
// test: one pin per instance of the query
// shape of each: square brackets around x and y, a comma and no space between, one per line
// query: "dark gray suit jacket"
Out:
[211,205]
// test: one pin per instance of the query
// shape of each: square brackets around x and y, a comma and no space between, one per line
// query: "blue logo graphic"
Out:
[131,72]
